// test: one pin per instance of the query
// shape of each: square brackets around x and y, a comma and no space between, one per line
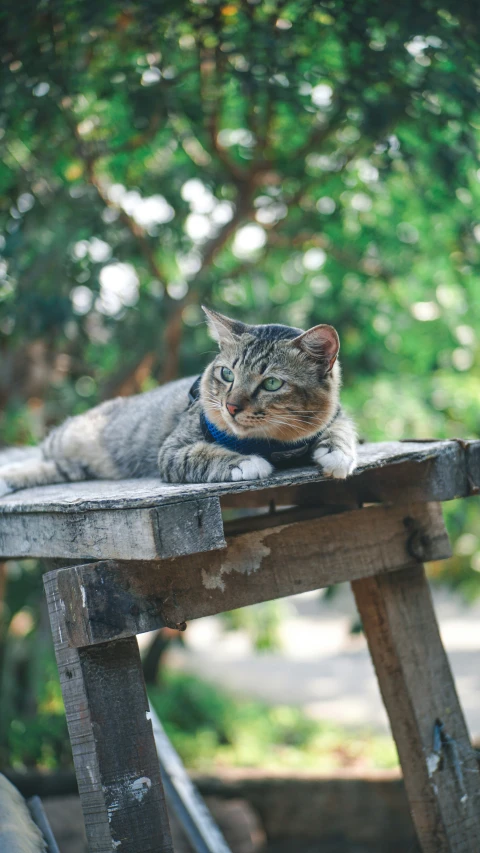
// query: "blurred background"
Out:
[295,162]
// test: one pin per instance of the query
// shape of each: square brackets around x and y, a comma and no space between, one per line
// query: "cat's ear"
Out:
[320,343]
[222,329]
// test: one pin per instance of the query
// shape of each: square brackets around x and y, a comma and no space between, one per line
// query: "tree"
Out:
[287,161]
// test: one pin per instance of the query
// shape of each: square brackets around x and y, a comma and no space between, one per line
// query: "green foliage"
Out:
[38,744]
[33,731]
[462,571]
[260,621]
[210,728]
[33,728]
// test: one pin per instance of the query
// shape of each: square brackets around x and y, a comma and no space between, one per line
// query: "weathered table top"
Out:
[152,492]
[148,519]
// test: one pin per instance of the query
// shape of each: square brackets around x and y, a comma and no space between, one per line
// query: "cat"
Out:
[270,398]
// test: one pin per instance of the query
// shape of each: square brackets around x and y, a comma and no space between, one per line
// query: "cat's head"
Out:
[271,381]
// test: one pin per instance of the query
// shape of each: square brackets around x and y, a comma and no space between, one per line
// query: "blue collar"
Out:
[279,453]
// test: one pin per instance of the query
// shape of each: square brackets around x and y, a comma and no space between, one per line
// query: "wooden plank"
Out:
[112,741]
[108,600]
[440,472]
[258,520]
[183,799]
[439,765]
[141,534]
[450,469]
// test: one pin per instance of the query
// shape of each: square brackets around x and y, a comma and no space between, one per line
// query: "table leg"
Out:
[440,769]
[112,741]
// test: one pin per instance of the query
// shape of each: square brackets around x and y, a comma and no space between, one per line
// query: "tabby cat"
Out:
[269,399]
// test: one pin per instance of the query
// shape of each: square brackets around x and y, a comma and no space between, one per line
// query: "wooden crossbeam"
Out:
[109,600]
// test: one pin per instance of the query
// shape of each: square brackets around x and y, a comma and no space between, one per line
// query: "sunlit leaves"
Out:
[348,142]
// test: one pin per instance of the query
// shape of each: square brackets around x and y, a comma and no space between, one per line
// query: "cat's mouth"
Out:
[236,425]
[243,422]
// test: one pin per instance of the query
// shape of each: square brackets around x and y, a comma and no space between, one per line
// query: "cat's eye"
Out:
[227,374]
[271,383]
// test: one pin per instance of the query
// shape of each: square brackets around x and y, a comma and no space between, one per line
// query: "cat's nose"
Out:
[233,409]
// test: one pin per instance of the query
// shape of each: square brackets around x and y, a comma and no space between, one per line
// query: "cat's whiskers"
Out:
[303,411]
[288,422]
[307,421]
[266,433]
[296,423]
[307,418]
[212,402]
[299,413]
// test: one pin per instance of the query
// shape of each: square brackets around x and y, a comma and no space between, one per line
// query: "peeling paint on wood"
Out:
[246,557]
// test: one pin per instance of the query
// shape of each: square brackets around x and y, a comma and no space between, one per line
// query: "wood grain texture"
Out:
[450,469]
[108,600]
[112,741]
[147,519]
[132,534]
[441,774]
[429,471]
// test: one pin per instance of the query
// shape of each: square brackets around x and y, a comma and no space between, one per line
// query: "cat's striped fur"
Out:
[158,433]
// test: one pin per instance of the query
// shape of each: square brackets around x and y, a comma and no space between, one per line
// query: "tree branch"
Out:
[140,139]
[197,289]
[135,229]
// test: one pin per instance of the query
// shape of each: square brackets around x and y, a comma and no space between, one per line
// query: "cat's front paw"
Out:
[251,468]
[5,488]
[334,463]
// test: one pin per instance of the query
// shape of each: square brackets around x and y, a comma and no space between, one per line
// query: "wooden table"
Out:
[149,555]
